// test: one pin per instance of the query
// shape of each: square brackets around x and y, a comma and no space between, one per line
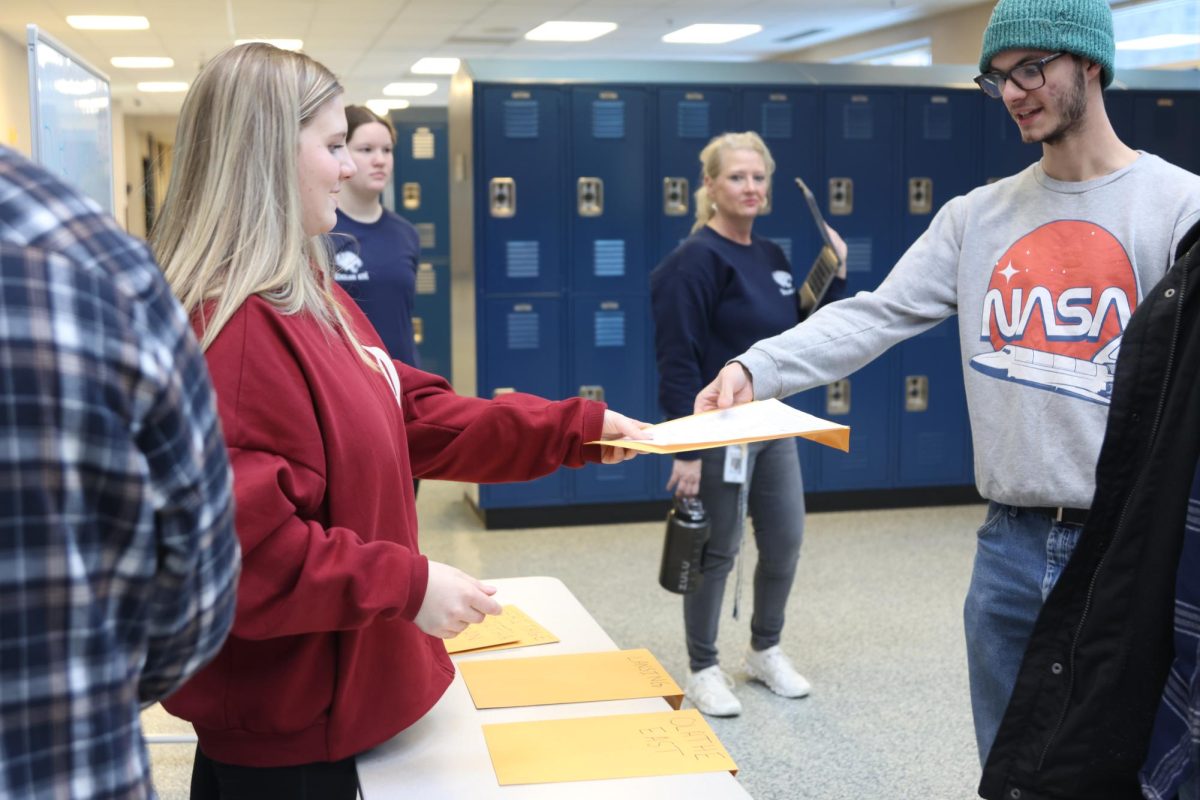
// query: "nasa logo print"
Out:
[1056,308]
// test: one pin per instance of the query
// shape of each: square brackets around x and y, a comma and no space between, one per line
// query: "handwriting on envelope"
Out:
[595,748]
[574,678]
[510,628]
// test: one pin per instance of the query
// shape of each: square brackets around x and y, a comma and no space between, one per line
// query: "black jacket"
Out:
[1079,721]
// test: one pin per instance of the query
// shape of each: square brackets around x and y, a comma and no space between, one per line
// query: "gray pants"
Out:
[775,506]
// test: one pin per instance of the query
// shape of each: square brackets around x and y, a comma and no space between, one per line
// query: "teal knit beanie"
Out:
[1081,27]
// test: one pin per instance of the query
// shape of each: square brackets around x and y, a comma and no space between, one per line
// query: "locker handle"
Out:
[916,393]
[592,392]
[590,196]
[837,398]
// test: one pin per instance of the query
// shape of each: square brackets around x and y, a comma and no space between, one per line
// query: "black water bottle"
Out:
[683,546]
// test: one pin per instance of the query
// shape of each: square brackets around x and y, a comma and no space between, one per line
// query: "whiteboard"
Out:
[71,113]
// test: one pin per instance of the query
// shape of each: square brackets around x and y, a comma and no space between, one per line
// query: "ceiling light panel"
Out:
[566,31]
[435,66]
[383,105]
[710,34]
[405,89]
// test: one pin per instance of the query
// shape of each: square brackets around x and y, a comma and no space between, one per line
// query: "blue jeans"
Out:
[775,505]
[1019,556]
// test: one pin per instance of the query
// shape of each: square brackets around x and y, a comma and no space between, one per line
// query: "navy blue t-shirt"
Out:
[711,299]
[376,263]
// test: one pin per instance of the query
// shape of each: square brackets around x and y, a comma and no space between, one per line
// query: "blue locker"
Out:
[1004,153]
[422,196]
[522,338]
[789,120]
[861,171]
[519,198]
[687,119]
[1165,124]
[431,315]
[607,335]
[941,161]
[606,190]
[1119,105]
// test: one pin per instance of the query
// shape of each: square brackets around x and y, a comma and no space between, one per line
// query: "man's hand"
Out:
[839,247]
[685,478]
[733,386]
[453,600]
[619,426]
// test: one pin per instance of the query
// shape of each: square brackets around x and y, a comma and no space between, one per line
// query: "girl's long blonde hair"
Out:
[711,162]
[230,225]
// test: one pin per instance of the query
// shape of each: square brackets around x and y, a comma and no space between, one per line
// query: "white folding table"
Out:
[443,755]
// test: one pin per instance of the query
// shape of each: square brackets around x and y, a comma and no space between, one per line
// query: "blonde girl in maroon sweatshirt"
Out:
[336,644]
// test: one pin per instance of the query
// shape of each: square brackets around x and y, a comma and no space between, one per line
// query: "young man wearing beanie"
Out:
[1044,270]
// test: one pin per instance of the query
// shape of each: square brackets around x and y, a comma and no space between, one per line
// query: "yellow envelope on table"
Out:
[574,678]
[510,628]
[755,421]
[596,748]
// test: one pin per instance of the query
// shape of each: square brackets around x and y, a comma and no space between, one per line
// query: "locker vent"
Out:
[521,260]
[858,253]
[693,119]
[523,331]
[609,255]
[422,144]
[608,119]
[609,328]
[521,119]
[785,244]
[427,234]
[858,121]
[426,278]
[939,123]
[777,121]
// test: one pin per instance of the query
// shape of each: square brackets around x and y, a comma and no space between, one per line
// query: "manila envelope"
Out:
[574,678]
[596,748]
[510,628]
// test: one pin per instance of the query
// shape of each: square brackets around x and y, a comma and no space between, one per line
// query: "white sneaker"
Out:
[710,691]
[773,668]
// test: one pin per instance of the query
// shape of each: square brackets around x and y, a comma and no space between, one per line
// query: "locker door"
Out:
[431,315]
[522,339]
[788,119]
[941,161]
[519,194]
[606,190]
[1004,153]
[861,153]
[687,119]
[422,189]
[607,354]
[1165,125]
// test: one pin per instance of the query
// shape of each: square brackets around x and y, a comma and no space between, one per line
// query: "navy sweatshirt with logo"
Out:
[711,300]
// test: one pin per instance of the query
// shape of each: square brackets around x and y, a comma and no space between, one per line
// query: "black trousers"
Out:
[212,780]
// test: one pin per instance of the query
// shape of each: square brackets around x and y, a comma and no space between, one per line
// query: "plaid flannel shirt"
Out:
[1174,755]
[118,559]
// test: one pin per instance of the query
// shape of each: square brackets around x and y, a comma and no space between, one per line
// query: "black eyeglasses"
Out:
[1027,77]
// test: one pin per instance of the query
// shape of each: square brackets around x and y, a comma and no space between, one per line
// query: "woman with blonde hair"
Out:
[720,291]
[335,646]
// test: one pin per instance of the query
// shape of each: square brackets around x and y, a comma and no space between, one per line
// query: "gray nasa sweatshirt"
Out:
[1043,275]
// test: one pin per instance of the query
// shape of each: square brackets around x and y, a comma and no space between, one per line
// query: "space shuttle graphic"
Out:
[1090,380]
